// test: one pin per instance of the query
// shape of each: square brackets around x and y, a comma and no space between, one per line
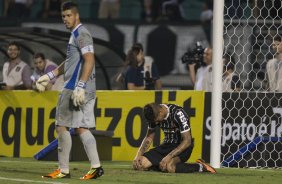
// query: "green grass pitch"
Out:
[28,170]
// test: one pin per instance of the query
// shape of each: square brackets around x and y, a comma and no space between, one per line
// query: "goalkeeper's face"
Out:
[70,18]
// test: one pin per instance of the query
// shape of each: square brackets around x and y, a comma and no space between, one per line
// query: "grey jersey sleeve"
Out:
[85,43]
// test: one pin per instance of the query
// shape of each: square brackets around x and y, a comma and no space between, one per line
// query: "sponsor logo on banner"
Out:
[245,116]
[28,126]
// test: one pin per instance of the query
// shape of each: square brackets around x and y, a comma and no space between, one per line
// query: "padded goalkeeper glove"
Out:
[78,94]
[43,81]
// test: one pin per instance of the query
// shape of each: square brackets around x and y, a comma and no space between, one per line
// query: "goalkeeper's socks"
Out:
[64,148]
[90,147]
[186,168]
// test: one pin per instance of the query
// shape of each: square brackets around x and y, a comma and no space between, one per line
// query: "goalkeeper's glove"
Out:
[78,94]
[43,81]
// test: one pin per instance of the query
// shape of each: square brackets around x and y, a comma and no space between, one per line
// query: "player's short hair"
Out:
[150,111]
[15,44]
[39,55]
[277,38]
[68,5]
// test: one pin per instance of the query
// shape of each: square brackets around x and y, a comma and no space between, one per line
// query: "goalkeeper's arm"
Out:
[44,80]
[59,70]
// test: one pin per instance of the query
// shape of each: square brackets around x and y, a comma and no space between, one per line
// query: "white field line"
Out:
[56,163]
[29,181]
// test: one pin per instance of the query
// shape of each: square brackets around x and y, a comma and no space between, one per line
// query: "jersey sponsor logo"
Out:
[183,120]
[170,130]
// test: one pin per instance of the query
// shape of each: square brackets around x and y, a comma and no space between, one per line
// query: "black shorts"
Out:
[156,154]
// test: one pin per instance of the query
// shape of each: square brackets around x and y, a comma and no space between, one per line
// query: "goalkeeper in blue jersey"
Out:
[177,145]
[75,108]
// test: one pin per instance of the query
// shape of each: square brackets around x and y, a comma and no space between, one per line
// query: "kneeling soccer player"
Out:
[177,145]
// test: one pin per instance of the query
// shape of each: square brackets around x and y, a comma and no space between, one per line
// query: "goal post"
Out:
[217,66]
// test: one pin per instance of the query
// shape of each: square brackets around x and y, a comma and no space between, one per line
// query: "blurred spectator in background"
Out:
[274,66]
[51,9]
[16,73]
[172,9]
[147,11]
[141,72]
[17,8]
[206,18]
[151,10]
[109,9]
[42,66]
[230,79]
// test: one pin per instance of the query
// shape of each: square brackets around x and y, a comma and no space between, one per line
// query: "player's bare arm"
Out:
[78,95]
[59,70]
[146,143]
[185,143]
[89,62]
[43,81]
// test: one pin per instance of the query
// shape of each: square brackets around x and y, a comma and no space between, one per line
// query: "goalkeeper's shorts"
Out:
[69,116]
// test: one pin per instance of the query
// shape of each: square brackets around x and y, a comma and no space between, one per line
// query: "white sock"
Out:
[90,147]
[201,168]
[64,148]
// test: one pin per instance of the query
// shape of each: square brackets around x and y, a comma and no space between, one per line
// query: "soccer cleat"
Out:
[57,174]
[206,167]
[93,173]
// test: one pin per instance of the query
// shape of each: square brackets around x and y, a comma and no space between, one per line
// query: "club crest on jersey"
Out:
[18,68]
[183,119]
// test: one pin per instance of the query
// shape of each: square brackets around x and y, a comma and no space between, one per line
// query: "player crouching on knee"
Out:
[177,146]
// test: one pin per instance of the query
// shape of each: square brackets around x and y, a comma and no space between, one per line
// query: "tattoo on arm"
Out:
[177,150]
[146,145]
[186,142]
[146,142]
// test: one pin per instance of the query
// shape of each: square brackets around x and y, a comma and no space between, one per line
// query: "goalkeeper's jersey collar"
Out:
[76,28]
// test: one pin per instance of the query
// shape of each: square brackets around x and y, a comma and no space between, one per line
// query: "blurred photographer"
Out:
[199,62]
[141,72]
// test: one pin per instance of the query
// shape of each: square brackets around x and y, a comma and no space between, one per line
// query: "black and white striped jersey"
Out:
[176,122]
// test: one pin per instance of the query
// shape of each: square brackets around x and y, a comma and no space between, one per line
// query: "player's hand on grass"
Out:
[43,81]
[164,163]
[137,163]
[78,95]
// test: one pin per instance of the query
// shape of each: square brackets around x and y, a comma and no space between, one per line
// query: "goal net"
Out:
[251,118]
